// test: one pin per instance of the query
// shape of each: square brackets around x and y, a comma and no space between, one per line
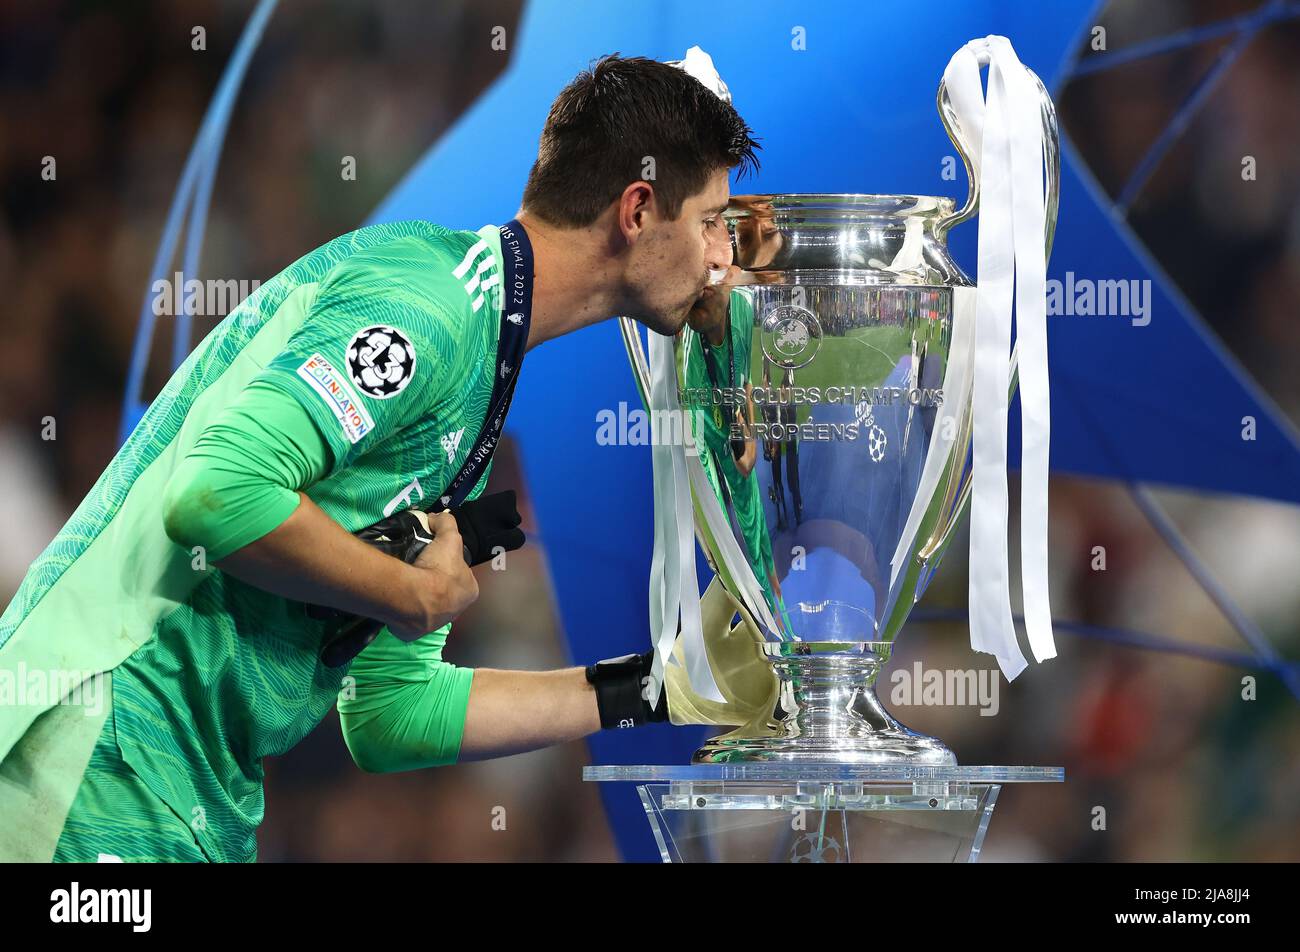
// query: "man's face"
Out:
[670,264]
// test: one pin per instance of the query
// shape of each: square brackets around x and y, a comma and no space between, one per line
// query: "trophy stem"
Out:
[827,712]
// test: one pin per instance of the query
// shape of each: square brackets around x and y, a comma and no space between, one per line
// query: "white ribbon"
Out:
[1005,136]
[674,588]
[699,64]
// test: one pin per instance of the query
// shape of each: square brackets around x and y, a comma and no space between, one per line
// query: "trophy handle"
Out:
[637,358]
[959,489]
[723,565]
[1051,151]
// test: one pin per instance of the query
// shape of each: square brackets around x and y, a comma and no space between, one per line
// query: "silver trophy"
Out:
[814,382]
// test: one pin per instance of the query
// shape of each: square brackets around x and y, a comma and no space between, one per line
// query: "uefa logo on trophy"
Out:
[791,335]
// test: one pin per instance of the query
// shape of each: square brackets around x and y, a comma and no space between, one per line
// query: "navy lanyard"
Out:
[711,361]
[516,315]
[711,365]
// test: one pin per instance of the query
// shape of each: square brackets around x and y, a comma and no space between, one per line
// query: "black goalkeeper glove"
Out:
[624,687]
[403,534]
[487,524]
[484,525]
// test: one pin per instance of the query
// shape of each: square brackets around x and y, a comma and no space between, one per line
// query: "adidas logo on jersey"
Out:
[476,284]
[451,443]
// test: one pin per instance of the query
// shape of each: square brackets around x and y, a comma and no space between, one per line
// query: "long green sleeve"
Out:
[241,478]
[406,708]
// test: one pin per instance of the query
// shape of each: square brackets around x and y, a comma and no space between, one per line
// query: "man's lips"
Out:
[706,294]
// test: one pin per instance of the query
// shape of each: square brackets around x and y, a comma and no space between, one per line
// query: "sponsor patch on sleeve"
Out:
[334,389]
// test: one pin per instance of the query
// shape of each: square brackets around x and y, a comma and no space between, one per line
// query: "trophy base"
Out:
[827,712]
[819,813]
[886,747]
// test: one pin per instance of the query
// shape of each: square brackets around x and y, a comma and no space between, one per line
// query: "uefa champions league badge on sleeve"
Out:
[381,361]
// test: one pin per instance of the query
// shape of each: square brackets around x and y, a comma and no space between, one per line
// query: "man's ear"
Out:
[636,206]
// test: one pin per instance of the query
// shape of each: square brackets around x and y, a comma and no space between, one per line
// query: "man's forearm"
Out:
[514,711]
[311,558]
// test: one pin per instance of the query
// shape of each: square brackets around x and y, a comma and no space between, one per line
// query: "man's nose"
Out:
[718,255]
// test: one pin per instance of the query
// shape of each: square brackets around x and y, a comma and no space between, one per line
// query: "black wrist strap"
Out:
[621,687]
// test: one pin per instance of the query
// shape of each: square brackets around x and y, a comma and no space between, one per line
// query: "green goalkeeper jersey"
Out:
[387,337]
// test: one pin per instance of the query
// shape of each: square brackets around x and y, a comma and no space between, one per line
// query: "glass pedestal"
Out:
[819,813]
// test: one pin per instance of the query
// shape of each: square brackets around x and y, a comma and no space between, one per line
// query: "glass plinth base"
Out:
[820,813]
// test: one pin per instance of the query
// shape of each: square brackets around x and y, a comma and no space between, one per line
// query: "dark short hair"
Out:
[605,124]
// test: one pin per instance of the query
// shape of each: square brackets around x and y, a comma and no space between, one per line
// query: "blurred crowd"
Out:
[1188,768]
[1184,768]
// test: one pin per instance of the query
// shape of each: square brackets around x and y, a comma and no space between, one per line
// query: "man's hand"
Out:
[311,558]
[413,584]
[748,684]
[445,587]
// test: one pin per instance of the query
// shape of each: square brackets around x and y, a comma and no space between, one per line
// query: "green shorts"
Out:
[115,816]
[109,815]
